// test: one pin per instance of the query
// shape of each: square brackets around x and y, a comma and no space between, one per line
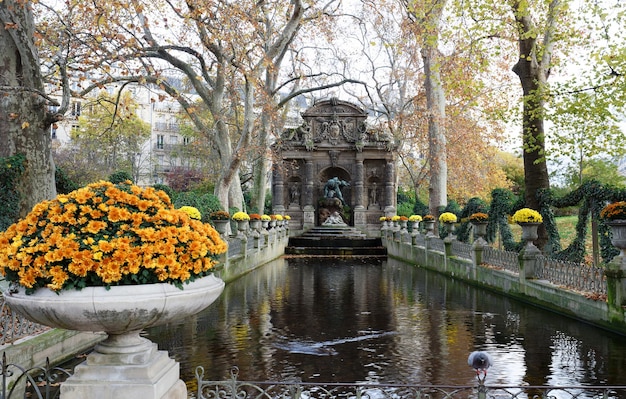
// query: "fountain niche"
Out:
[334,143]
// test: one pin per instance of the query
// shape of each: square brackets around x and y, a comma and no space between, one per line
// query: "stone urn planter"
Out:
[480,230]
[429,226]
[242,227]
[221,226]
[529,234]
[404,226]
[618,239]
[124,362]
[415,228]
[255,227]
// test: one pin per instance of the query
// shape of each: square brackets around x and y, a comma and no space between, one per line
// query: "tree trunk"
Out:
[24,121]
[533,71]
[436,108]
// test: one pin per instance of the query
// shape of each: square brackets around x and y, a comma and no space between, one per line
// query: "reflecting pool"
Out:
[351,321]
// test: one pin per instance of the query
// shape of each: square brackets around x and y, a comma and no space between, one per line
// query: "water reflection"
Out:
[344,321]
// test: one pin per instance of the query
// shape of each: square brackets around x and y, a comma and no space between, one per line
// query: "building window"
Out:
[186,140]
[173,139]
[160,142]
[76,108]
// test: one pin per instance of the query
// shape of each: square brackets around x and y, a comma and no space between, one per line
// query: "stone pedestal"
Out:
[152,375]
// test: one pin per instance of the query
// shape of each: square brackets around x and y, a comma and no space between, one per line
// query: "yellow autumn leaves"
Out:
[106,234]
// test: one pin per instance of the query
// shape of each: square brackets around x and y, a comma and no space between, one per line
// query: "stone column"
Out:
[278,196]
[389,189]
[358,185]
[360,217]
[308,217]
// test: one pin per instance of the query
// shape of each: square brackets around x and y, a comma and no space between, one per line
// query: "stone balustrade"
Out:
[593,294]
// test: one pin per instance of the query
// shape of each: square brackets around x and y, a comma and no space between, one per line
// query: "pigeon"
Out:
[480,361]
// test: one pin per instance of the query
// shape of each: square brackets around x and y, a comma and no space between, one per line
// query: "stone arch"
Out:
[342,174]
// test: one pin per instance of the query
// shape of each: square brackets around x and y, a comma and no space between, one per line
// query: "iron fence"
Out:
[436,244]
[462,249]
[507,260]
[14,326]
[36,382]
[296,389]
[572,275]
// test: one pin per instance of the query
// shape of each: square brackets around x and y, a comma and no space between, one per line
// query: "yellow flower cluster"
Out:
[105,234]
[527,215]
[395,218]
[193,213]
[241,216]
[447,217]
[278,217]
[415,218]
[266,218]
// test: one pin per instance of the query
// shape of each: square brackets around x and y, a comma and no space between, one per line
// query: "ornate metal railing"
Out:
[37,382]
[575,276]
[420,240]
[503,259]
[437,244]
[14,326]
[462,249]
[296,389]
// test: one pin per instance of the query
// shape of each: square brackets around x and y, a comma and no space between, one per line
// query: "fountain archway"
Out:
[334,141]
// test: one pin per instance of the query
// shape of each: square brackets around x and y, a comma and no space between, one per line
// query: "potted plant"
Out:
[415,223]
[614,215]
[255,222]
[192,212]
[220,219]
[479,220]
[115,258]
[529,220]
[403,221]
[242,219]
[265,221]
[429,224]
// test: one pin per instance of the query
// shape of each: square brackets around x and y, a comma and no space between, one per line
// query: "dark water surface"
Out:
[349,321]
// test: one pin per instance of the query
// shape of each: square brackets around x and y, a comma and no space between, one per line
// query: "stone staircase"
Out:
[333,240]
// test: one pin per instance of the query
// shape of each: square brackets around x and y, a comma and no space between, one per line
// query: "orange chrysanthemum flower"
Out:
[107,234]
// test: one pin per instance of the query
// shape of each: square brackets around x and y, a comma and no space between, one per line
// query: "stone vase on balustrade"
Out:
[618,239]
[221,226]
[529,234]
[242,228]
[429,226]
[255,227]
[480,231]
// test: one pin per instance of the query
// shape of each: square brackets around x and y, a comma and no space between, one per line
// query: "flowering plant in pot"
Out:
[241,216]
[478,217]
[116,258]
[614,211]
[266,218]
[428,218]
[219,215]
[107,234]
[447,217]
[415,218]
[255,216]
[527,215]
[191,211]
